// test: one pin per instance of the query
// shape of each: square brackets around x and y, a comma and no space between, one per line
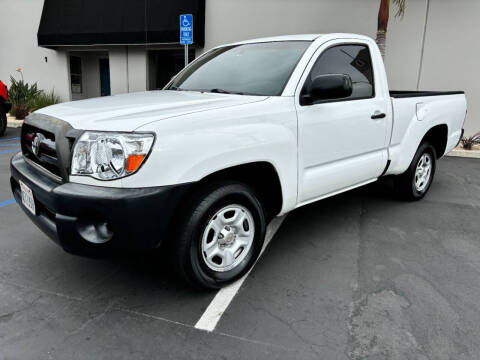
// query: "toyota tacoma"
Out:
[246,132]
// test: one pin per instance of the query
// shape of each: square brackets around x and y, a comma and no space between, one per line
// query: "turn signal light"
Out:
[134,162]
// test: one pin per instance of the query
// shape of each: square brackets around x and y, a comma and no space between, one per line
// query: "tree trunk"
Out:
[381,41]
[383,16]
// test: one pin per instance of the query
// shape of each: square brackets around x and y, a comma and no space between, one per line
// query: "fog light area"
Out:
[95,229]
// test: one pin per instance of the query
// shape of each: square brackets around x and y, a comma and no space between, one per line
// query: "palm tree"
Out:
[383,16]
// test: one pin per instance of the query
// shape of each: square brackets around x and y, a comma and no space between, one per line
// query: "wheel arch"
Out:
[438,137]
[403,153]
[261,176]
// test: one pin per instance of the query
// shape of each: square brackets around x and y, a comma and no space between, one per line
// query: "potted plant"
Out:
[21,94]
[469,142]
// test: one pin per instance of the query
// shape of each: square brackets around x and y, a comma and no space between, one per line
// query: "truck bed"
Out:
[408,93]
[415,113]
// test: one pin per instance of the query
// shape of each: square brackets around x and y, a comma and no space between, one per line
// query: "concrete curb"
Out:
[459,152]
[13,123]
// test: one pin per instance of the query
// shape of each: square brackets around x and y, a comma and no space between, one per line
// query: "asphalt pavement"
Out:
[362,275]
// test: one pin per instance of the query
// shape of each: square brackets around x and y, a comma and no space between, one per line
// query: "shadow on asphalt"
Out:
[154,266]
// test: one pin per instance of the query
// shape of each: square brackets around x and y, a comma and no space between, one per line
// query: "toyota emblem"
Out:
[37,141]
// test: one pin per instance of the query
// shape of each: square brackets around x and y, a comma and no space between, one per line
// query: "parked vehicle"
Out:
[5,107]
[246,132]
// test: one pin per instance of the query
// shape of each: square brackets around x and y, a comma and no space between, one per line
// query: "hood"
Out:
[128,112]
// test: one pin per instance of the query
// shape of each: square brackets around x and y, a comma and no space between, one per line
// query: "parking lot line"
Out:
[8,202]
[217,307]
[10,139]
[10,151]
[9,144]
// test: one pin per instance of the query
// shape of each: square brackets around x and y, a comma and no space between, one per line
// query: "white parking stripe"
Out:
[224,297]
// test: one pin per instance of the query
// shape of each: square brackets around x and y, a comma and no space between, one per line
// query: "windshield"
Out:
[249,69]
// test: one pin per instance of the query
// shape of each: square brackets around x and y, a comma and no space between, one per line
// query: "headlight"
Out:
[110,156]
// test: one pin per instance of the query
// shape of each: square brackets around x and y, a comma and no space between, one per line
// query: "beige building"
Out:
[434,47]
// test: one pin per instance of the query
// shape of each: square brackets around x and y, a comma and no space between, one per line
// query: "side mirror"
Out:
[329,87]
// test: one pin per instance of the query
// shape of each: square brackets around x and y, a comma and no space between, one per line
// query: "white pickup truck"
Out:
[246,132]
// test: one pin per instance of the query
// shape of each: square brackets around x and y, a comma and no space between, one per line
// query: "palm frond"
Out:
[401,7]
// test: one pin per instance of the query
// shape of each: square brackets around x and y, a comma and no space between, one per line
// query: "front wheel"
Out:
[3,122]
[221,235]
[414,183]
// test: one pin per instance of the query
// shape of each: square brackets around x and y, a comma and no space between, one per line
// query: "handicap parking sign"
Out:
[186,29]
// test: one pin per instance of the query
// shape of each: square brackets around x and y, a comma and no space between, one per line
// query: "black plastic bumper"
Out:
[75,215]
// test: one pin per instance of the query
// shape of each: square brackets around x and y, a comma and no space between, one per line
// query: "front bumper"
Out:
[75,215]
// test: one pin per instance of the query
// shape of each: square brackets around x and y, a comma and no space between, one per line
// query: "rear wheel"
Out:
[414,183]
[221,235]
[3,122]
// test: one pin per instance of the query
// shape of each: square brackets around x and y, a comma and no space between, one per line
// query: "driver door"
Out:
[342,142]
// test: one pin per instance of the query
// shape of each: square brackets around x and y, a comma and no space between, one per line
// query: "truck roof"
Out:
[303,37]
[299,37]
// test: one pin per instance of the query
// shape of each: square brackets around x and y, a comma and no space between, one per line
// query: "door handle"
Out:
[378,115]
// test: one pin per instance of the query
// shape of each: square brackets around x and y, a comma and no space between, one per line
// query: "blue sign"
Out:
[186,29]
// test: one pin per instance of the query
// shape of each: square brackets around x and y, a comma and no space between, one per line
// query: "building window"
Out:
[76,74]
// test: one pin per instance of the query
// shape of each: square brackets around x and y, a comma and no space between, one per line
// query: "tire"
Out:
[209,226]
[413,185]
[3,122]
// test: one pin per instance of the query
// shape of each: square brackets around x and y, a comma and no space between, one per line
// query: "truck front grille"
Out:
[47,143]
[39,146]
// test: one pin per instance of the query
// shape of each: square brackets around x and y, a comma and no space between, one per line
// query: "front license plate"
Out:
[27,197]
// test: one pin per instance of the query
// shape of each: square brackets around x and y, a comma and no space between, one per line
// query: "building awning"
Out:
[117,22]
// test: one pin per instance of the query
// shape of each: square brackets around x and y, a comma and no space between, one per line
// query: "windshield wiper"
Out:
[222,91]
[175,88]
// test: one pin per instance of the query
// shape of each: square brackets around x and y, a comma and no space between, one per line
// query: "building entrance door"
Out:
[104,77]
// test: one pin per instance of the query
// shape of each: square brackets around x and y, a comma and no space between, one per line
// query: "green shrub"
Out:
[21,93]
[26,97]
[44,99]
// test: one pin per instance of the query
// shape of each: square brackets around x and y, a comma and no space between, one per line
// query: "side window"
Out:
[352,60]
